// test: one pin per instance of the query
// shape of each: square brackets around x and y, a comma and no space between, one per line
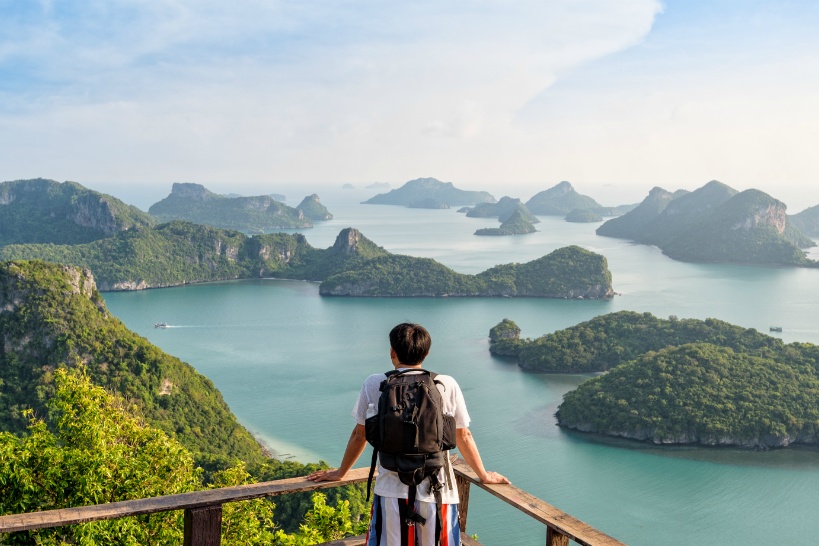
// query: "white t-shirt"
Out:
[387,483]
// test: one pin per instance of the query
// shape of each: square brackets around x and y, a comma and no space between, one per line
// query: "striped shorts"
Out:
[386,528]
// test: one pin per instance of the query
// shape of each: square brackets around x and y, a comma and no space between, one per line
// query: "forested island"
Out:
[46,211]
[677,381]
[517,222]
[715,224]
[807,221]
[179,253]
[258,214]
[430,193]
[91,412]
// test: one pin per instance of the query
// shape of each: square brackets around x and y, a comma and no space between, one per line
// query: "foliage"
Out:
[609,340]
[92,451]
[701,393]
[52,317]
[45,211]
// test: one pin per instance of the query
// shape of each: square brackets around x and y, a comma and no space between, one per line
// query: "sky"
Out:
[260,96]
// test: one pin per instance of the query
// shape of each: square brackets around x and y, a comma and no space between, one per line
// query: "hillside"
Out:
[502,210]
[806,221]
[560,200]
[53,316]
[607,341]
[705,394]
[180,253]
[45,211]
[431,191]
[258,214]
[713,224]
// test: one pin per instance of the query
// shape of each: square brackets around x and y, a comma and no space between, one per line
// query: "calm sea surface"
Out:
[290,364]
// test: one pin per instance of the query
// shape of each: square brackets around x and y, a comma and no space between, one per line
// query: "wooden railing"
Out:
[203,510]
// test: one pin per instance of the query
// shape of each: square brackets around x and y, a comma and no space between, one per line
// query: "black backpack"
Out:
[410,433]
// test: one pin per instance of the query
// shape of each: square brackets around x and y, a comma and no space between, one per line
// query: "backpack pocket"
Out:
[449,434]
[371,431]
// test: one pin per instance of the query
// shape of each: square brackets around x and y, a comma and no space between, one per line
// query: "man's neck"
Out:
[401,365]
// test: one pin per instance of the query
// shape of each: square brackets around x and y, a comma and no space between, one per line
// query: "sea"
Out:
[290,364]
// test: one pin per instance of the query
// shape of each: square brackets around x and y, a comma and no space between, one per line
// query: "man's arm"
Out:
[355,447]
[469,451]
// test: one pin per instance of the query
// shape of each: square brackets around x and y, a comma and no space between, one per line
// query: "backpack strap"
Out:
[372,472]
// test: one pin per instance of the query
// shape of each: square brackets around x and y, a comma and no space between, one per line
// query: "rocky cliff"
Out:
[45,211]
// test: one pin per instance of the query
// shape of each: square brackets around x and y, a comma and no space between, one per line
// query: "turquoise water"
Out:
[290,364]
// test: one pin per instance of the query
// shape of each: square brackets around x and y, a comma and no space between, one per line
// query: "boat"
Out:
[775,328]
[161,325]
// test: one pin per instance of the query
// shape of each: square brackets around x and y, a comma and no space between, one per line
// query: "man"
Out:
[409,346]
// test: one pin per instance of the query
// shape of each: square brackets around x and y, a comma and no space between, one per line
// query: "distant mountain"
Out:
[560,200]
[259,214]
[516,222]
[53,316]
[311,208]
[45,211]
[713,224]
[430,188]
[583,216]
[502,210]
[180,253]
[806,221]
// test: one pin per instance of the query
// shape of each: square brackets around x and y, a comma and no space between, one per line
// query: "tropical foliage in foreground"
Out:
[91,448]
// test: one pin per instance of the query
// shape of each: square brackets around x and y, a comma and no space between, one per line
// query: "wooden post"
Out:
[463,500]
[555,538]
[203,526]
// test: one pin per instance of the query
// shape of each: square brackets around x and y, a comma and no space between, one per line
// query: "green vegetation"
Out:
[609,340]
[53,319]
[702,393]
[677,381]
[179,252]
[420,189]
[92,448]
[502,210]
[560,200]
[45,211]
[714,224]
[569,272]
[259,214]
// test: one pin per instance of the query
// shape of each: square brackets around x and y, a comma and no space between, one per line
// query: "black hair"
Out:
[411,343]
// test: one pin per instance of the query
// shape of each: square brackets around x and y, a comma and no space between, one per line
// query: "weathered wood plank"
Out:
[203,526]
[463,500]
[196,499]
[554,538]
[560,521]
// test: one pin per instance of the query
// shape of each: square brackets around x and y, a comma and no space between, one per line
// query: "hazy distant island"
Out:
[806,221]
[583,216]
[46,211]
[714,224]
[179,253]
[681,381]
[560,200]
[258,214]
[519,221]
[423,189]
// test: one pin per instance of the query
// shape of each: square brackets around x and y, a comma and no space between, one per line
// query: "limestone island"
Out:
[422,189]
[179,253]
[677,381]
[257,214]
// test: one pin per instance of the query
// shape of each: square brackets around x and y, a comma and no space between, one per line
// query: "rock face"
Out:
[713,224]
[312,209]
[45,211]
[420,189]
